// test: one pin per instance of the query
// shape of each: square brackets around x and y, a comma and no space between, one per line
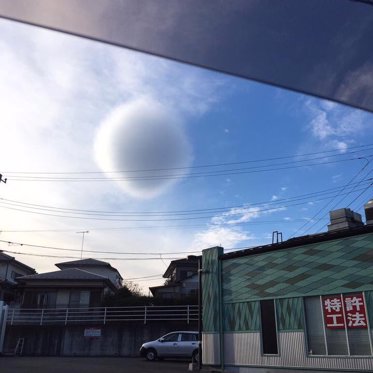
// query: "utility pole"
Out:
[81,251]
[2,180]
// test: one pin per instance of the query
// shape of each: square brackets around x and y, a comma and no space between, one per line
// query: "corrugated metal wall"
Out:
[243,349]
[210,349]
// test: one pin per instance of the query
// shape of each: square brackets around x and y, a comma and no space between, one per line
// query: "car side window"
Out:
[174,337]
[188,337]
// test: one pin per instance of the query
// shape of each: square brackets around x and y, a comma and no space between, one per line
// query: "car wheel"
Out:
[195,356]
[151,354]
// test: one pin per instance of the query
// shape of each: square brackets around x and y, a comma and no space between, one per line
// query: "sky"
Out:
[157,160]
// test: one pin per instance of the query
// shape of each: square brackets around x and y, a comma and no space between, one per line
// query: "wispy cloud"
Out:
[224,228]
[220,236]
[357,85]
[334,125]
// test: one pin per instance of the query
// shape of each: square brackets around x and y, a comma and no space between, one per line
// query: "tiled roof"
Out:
[328,267]
[300,241]
[64,275]
[7,258]
[83,262]
[189,262]
[89,262]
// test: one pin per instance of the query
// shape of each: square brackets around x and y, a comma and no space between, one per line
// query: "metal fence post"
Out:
[67,315]
[3,321]
[11,322]
[105,316]
[188,314]
[145,308]
[41,316]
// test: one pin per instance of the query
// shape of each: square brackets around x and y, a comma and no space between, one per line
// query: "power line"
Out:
[32,206]
[238,171]
[360,147]
[350,182]
[143,277]
[339,202]
[363,192]
[266,209]
[78,258]
[13,243]
[183,226]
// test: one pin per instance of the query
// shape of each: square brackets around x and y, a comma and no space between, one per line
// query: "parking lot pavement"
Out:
[89,365]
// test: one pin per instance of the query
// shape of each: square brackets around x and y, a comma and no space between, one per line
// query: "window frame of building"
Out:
[14,275]
[330,335]
[265,333]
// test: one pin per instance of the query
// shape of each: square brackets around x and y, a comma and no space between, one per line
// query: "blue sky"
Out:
[87,110]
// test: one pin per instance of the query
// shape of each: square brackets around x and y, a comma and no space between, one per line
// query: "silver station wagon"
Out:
[176,344]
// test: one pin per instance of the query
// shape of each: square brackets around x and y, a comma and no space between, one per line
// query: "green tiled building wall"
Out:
[241,317]
[290,315]
[369,304]
[245,316]
[337,266]
[210,289]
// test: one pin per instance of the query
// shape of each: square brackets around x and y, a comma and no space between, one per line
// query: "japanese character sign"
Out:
[333,312]
[355,311]
[347,310]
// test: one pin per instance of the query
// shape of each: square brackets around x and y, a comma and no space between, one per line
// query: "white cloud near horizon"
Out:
[220,236]
[224,230]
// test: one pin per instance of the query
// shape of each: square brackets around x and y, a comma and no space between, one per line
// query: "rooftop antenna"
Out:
[276,237]
[81,251]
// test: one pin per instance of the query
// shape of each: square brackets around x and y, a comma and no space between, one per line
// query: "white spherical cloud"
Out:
[146,141]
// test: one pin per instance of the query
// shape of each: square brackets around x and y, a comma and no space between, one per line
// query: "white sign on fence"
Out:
[92,332]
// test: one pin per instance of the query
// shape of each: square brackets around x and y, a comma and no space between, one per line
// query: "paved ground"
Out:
[89,365]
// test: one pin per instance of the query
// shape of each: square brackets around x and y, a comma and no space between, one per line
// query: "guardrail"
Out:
[100,315]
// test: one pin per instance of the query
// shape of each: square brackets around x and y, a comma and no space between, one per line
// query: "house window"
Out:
[269,327]
[338,325]
[14,275]
[79,298]
[46,299]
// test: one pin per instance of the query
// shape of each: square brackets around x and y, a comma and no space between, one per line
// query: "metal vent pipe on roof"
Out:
[344,219]
[368,207]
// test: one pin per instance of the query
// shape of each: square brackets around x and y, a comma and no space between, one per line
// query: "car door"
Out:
[188,343]
[169,345]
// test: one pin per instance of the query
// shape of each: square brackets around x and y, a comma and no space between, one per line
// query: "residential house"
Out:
[81,283]
[95,266]
[181,279]
[10,270]
[306,303]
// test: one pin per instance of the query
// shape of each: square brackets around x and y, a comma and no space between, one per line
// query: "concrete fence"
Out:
[112,331]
